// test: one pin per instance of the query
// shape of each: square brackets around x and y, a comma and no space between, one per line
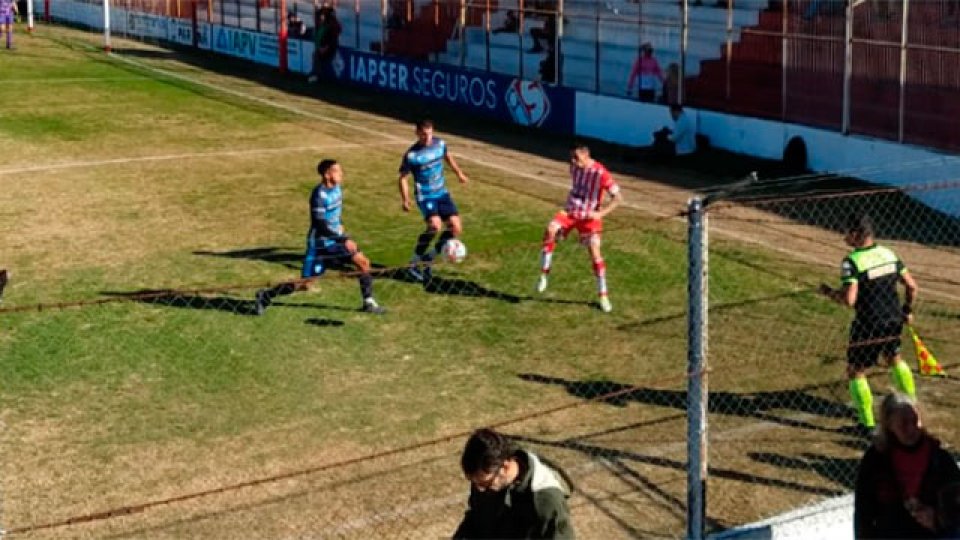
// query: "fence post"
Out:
[195,26]
[106,25]
[283,37]
[684,35]
[847,68]
[903,69]
[29,15]
[697,395]
[784,57]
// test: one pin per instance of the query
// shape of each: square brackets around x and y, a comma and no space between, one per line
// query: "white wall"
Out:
[619,120]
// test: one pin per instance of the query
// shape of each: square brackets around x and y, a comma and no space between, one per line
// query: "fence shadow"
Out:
[838,470]
[759,405]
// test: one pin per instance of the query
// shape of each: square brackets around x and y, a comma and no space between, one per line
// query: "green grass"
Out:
[112,381]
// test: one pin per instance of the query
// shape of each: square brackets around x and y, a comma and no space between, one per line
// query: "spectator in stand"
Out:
[671,86]
[677,142]
[510,24]
[297,28]
[648,70]
[901,476]
[326,40]
[547,33]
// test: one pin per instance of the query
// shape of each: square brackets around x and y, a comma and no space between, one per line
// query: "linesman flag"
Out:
[927,362]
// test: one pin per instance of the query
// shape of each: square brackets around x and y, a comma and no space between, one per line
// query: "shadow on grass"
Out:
[178,299]
[229,304]
[755,404]
[618,461]
[837,470]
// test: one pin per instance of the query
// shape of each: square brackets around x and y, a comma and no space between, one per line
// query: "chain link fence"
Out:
[794,443]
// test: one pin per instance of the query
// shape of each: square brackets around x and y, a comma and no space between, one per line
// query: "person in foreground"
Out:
[513,494]
[327,243]
[902,476]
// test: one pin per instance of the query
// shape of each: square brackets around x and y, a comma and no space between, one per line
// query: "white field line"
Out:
[802,256]
[172,157]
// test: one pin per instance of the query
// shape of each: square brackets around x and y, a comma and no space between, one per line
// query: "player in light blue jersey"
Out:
[8,8]
[424,160]
[327,244]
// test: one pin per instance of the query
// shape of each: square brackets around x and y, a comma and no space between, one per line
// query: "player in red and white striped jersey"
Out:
[584,212]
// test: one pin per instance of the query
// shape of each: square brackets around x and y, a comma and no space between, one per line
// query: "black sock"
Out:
[366,285]
[423,242]
[444,236]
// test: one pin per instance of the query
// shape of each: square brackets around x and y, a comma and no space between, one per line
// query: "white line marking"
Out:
[170,157]
[485,162]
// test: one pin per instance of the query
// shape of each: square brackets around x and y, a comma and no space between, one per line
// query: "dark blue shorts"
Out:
[6,19]
[442,206]
[318,257]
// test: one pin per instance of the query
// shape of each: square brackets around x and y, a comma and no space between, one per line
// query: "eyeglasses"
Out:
[484,480]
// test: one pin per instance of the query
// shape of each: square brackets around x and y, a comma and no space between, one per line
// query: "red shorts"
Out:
[586,228]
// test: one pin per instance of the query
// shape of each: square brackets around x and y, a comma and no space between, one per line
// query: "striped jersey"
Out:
[588,186]
[326,207]
[425,162]
[6,7]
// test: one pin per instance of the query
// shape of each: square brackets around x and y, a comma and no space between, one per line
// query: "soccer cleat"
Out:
[262,302]
[605,304]
[542,283]
[371,306]
[4,278]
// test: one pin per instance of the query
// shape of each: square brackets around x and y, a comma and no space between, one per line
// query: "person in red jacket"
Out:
[901,476]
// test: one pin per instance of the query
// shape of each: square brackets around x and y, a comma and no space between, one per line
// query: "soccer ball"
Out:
[454,251]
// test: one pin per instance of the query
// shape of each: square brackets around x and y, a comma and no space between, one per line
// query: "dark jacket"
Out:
[879,510]
[535,506]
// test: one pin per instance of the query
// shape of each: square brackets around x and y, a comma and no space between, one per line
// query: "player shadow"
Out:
[448,286]
[759,405]
[838,470]
[220,302]
[185,300]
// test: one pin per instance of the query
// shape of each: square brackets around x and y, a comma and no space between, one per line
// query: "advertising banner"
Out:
[527,103]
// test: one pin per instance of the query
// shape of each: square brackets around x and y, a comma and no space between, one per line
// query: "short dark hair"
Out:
[325,165]
[424,123]
[676,107]
[485,451]
[578,146]
[860,224]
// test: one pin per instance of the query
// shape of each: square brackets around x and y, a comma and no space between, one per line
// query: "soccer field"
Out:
[145,198]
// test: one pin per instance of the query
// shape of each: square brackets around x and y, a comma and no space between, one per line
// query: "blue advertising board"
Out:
[528,103]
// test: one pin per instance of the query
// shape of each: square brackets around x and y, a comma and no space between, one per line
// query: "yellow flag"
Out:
[926,360]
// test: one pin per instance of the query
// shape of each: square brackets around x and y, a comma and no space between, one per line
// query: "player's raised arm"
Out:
[404,191]
[448,157]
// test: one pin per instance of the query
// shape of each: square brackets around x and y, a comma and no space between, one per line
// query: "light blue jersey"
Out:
[326,207]
[426,165]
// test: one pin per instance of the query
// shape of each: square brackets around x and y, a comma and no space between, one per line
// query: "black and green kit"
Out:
[879,320]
